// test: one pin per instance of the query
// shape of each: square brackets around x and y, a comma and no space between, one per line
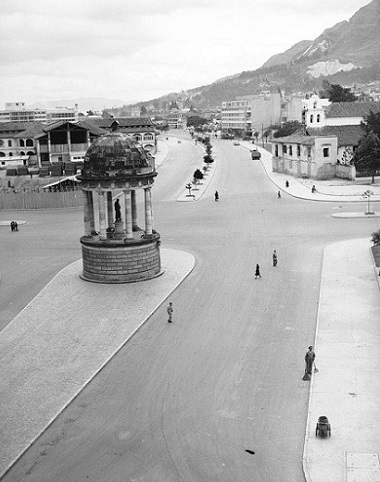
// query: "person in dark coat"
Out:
[309,360]
[257,272]
[274,258]
[170,310]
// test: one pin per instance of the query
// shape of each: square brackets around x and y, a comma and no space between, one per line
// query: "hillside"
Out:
[346,53]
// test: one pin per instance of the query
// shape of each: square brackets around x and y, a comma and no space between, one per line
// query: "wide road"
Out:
[184,402]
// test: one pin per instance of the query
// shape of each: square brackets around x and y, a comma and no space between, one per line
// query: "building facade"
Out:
[141,129]
[18,112]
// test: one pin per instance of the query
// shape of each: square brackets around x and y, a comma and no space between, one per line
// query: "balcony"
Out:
[64,148]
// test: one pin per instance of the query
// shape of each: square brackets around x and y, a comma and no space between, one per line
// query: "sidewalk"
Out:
[334,190]
[57,344]
[347,387]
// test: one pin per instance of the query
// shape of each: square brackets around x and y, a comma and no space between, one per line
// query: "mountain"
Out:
[347,53]
[84,104]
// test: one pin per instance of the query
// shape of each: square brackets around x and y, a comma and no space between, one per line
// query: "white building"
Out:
[18,112]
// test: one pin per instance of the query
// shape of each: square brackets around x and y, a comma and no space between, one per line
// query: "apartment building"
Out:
[236,117]
[18,112]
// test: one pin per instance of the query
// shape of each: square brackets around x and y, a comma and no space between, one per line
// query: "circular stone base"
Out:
[116,261]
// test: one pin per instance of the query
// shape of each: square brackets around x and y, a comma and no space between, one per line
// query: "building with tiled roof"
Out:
[17,142]
[140,128]
[319,153]
[349,113]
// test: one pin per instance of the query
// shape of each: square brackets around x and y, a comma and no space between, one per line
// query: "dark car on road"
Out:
[255,154]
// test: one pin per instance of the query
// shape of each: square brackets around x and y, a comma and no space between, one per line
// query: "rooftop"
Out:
[352,109]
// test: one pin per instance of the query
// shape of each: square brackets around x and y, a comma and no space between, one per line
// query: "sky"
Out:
[138,50]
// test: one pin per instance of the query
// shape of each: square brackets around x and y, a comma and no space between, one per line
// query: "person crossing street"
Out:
[169,310]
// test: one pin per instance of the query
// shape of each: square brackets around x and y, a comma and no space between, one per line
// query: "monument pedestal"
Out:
[119,229]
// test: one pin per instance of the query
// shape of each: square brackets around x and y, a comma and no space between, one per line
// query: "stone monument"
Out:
[114,248]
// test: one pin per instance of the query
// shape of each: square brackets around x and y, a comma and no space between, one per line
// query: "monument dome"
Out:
[116,156]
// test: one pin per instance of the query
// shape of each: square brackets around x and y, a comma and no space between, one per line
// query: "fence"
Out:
[40,200]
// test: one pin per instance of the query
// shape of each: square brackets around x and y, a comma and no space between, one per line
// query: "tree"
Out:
[256,135]
[337,93]
[267,134]
[198,175]
[143,110]
[287,129]
[372,123]
[367,155]
[208,159]
[196,121]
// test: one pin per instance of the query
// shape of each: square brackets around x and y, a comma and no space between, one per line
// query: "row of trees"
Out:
[207,159]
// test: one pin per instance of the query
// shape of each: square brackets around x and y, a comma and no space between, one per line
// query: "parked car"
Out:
[255,154]
[236,143]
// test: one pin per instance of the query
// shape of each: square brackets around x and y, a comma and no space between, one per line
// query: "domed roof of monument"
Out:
[116,156]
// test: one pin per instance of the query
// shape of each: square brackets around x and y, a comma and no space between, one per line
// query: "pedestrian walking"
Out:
[274,258]
[286,183]
[169,309]
[279,194]
[12,226]
[216,196]
[257,272]
[309,360]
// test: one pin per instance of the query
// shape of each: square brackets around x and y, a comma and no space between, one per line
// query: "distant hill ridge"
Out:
[347,53]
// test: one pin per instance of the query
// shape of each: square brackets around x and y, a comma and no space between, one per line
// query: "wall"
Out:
[265,110]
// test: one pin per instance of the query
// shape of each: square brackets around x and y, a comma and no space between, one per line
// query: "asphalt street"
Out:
[192,401]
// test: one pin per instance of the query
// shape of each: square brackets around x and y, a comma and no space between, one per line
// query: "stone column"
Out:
[91,216]
[134,211]
[148,211]
[86,211]
[102,216]
[109,210]
[38,152]
[69,142]
[88,139]
[128,214]
[49,146]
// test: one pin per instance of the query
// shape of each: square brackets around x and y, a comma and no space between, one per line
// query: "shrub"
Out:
[376,238]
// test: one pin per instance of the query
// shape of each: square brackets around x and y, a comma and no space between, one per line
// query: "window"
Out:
[290,150]
[308,151]
[29,143]
[9,143]
[276,150]
[311,118]
[326,152]
[298,150]
[284,150]
[22,143]
[318,117]
[10,154]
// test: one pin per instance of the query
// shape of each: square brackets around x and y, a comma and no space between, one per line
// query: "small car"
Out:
[255,154]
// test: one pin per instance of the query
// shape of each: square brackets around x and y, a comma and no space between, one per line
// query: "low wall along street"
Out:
[40,200]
